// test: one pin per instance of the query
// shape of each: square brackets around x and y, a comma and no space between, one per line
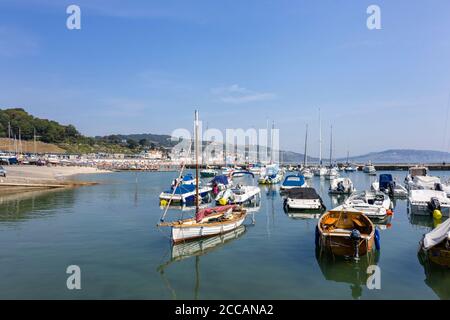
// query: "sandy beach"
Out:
[26,177]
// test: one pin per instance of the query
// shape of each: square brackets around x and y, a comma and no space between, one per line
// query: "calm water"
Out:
[110,232]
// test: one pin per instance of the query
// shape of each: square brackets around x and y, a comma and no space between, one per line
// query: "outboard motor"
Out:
[391,188]
[355,236]
[434,204]
[340,187]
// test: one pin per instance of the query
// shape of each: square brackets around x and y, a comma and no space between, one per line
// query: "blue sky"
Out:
[143,66]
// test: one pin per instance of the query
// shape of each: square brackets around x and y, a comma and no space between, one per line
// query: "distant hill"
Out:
[402,156]
[387,156]
[159,140]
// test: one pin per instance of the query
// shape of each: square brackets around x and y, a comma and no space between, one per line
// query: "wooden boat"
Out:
[435,245]
[207,222]
[345,233]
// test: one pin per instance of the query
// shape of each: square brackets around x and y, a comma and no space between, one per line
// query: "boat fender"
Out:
[223,201]
[317,237]
[437,214]
[163,203]
[377,240]
[389,212]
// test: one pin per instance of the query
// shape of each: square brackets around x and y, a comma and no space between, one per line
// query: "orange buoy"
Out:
[389,212]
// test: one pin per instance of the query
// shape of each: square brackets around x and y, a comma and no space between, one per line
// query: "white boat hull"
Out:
[303,204]
[194,232]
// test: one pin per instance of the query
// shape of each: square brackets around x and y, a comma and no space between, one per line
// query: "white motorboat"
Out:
[303,199]
[331,174]
[386,184]
[413,174]
[271,174]
[320,171]
[350,168]
[424,202]
[375,205]
[306,172]
[370,169]
[341,186]
[239,195]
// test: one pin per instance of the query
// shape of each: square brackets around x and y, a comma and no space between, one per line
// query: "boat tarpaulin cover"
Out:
[385,179]
[220,180]
[188,177]
[183,188]
[208,211]
[294,181]
[426,181]
[303,193]
[437,235]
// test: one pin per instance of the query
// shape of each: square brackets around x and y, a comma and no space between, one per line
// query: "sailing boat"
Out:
[306,172]
[206,222]
[320,171]
[332,173]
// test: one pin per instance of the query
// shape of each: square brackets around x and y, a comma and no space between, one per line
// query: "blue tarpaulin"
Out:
[384,180]
[294,181]
[220,180]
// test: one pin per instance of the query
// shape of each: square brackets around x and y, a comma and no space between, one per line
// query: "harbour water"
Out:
[110,232]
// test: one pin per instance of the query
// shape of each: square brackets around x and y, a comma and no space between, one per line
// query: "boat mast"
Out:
[196,162]
[306,144]
[320,140]
[331,146]
[271,142]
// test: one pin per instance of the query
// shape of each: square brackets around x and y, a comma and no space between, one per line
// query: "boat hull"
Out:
[186,233]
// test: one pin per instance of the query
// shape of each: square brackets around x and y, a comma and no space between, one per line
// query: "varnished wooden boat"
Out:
[207,222]
[345,232]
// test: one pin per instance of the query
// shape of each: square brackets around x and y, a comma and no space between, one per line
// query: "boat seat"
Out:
[330,221]
[358,223]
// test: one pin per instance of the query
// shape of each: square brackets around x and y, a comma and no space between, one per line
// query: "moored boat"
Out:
[375,205]
[207,222]
[341,186]
[303,199]
[435,245]
[293,181]
[346,233]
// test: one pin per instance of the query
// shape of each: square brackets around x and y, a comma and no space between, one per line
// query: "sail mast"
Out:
[320,140]
[196,162]
[306,144]
[331,145]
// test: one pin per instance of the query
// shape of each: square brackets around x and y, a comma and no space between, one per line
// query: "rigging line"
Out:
[183,165]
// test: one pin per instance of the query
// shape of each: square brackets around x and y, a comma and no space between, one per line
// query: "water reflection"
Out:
[19,206]
[436,277]
[197,248]
[352,272]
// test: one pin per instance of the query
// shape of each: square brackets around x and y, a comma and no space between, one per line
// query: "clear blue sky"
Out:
[143,66]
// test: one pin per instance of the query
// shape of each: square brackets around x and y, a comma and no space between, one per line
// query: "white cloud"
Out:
[236,94]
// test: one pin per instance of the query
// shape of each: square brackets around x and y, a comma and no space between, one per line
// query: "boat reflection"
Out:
[303,214]
[348,271]
[197,248]
[436,277]
[337,199]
